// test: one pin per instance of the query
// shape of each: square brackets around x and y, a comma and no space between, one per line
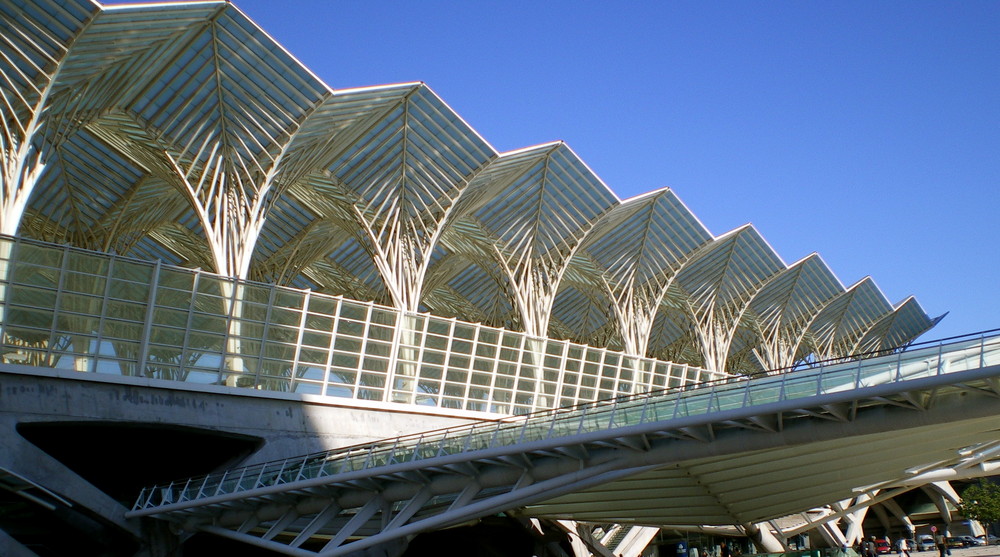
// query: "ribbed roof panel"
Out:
[150,99]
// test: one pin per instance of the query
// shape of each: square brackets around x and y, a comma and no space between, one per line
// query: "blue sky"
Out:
[868,132]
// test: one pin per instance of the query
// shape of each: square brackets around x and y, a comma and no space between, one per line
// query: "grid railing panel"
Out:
[92,312]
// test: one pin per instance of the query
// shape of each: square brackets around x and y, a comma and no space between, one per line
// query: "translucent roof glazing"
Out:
[184,132]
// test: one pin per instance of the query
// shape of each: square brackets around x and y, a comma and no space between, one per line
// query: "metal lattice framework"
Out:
[184,133]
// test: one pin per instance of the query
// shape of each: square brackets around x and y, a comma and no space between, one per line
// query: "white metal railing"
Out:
[715,396]
[73,309]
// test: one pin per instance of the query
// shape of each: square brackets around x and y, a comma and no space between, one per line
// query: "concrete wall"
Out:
[286,424]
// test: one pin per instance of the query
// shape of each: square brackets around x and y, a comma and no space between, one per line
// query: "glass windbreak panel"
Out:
[312,339]
[764,391]
[457,378]
[370,388]
[990,352]
[431,373]
[274,376]
[460,365]
[433,357]
[834,379]
[459,347]
[553,361]
[81,294]
[568,396]
[439,327]
[383,324]
[378,348]
[75,322]
[505,376]
[84,274]
[435,342]
[506,435]
[306,355]
[309,373]
[464,332]
[455,389]
[510,355]
[697,403]
[733,397]
[511,339]
[488,337]
[322,307]
[285,319]
[351,328]
[627,415]
[167,343]
[172,318]
[354,311]
[29,308]
[564,424]
[320,322]
[290,300]
[595,420]
[878,373]
[201,341]
[130,281]
[375,364]
[664,407]
[479,393]
[122,329]
[338,390]
[178,280]
[346,344]
[36,256]
[500,401]
[482,365]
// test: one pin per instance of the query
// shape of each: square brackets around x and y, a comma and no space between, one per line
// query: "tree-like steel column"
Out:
[639,247]
[545,201]
[401,202]
[719,284]
[31,60]
[782,311]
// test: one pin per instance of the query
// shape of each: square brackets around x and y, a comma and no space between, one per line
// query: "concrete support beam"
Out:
[30,463]
[763,539]
[9,547]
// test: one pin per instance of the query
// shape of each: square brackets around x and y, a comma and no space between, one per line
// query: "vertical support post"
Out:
[298,342]
[186,344]
[58,303]
[229,347]
[331,350]
[265,331]
[982,350]
[561,376]
[104,308]
[147,326]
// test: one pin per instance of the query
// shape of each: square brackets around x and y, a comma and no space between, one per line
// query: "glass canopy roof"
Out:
[183,132]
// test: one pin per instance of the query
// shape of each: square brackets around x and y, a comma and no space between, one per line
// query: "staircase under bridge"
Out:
[737,451]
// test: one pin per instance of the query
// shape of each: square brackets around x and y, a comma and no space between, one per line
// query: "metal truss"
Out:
[612,462]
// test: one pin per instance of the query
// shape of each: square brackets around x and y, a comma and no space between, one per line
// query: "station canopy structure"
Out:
[182,132]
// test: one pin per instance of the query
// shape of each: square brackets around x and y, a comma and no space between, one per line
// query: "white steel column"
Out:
[34,57]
